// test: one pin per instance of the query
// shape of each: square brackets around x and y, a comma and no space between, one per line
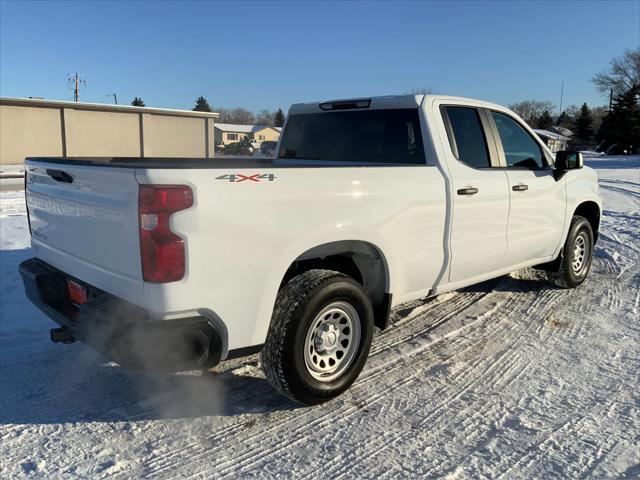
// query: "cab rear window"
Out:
[363,136]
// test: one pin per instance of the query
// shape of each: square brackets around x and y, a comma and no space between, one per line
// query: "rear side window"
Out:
[378,136]
[468,136]
[520,149]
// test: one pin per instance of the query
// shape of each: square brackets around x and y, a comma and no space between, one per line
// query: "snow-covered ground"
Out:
[508,379]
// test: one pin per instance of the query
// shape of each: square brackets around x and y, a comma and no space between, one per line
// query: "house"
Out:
[267,134]
[554,141]
[226,133]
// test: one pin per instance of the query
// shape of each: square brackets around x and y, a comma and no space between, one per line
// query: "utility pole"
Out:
[610,99]
[115,98]
[561,95]
[74,82]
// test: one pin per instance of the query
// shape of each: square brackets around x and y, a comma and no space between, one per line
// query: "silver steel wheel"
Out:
[331,343]
[581,253]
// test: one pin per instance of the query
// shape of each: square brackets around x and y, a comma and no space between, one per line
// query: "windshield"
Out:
[379,136]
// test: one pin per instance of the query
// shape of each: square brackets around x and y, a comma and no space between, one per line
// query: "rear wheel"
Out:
[576,255]
[319,337]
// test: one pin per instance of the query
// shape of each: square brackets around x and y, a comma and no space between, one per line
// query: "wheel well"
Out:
[361,261]
[591,212]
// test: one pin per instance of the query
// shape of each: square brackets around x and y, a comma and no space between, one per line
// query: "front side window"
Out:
[369,136]
[468,136]
[520,149]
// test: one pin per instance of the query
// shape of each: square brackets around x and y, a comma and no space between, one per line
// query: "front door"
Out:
[538,201]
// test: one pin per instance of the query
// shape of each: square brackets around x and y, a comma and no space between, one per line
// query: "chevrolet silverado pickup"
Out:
[175,264]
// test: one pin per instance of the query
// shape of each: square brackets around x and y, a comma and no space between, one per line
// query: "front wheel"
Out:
[576,255]
[319,338]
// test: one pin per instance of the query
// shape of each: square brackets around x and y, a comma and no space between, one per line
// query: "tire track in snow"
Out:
[552,300]
[394,338]
[378,445]
[487,375]
[498,306]
[367,377]
[328,423]
[621,190]
[321,423]
[569,439]
[536,450]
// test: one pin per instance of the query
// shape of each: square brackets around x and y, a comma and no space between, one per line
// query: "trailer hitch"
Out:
[62,335]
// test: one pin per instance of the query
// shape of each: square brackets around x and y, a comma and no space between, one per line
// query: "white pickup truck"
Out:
[174,264]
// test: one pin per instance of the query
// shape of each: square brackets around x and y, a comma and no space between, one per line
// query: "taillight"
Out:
[161,250]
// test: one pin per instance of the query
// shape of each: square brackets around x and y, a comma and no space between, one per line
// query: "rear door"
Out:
[538,201]
[480,195]
[84,221]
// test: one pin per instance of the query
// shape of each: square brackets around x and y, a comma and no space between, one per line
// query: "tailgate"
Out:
[84,221]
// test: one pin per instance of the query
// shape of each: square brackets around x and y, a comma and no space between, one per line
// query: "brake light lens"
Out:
[161,250]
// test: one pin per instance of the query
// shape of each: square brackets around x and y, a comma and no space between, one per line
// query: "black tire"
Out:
[571,272]
[297,306]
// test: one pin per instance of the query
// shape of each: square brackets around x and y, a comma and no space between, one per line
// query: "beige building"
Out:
[31,127]
[226,133]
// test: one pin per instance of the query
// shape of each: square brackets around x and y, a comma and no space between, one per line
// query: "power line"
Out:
[75,81]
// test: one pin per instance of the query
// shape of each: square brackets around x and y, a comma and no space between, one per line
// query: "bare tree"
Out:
[265,117]
[572,111]
[223,115]
[242,116]
[622,75]
[531,110]
[239,116]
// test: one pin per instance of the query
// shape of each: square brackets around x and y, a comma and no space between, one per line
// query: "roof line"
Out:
[36,102]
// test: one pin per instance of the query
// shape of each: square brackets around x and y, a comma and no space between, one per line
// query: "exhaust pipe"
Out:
[62,335]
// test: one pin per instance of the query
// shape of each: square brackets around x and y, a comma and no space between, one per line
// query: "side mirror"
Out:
[568,160]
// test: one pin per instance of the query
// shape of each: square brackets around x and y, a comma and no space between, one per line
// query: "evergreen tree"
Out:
[584,124]
[137,102]
[545,121]
[622,124]
[563,120]
[279,118]
[202,105]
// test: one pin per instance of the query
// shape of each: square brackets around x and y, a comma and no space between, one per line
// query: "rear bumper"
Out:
[122,331]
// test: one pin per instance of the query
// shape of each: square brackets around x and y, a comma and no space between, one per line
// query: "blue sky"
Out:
[272,54]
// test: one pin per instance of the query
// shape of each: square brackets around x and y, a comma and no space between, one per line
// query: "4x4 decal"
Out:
[257,177]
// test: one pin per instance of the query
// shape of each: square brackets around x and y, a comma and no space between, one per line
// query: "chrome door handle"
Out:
[520,187]
[468,191]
